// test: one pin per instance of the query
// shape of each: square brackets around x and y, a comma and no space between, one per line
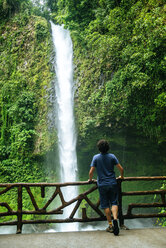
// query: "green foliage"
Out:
[120,69]
[9,7]
[40,9]
[41,28]
[24,79]
[162,221]
[119,56]
[73,13]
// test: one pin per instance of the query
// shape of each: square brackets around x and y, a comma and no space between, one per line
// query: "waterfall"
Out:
[65,117]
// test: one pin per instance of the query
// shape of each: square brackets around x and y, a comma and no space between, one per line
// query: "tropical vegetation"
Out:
[120,65]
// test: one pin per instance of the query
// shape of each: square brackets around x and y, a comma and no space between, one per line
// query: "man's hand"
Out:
[91,180]
[121,177]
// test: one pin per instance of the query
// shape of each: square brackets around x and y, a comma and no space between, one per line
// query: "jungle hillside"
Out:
[119,72]
[119,92]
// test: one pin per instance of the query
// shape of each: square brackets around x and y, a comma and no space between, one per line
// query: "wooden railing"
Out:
[57,192]
[131,206]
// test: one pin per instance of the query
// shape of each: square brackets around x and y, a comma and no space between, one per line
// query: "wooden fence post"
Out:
[120,210]
[19,210]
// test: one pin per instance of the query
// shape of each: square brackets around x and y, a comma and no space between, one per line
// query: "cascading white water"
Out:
[65,116]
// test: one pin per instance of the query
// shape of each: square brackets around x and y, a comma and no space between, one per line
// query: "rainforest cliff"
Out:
[119,59]
[119,70]
[25,79]
[120,88]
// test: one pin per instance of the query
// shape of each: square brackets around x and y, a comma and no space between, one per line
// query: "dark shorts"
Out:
[108,196]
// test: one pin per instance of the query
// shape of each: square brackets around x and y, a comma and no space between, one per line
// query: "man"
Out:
[107,184]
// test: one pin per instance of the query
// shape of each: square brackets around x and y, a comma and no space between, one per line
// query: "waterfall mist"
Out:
[65,117]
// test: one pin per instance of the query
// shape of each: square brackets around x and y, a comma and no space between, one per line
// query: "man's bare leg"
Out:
[109,219]
[114,210]
[107,212]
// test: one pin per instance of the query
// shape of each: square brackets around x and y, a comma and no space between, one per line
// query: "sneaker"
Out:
[116,227]
[110,229]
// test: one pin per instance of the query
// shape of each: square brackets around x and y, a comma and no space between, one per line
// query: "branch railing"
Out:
[57,192]
[131,206]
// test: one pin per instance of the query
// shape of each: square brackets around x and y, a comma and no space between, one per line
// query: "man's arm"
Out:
[92,169]
[120,168]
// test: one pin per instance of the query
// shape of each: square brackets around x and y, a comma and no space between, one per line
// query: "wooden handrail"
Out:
[44,184]
[144,178]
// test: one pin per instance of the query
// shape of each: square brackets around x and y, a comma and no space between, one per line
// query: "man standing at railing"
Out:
[107,184]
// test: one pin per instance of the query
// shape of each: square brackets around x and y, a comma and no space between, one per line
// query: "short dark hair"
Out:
[103,146]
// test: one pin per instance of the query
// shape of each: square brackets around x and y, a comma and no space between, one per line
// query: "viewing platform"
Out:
[134,238]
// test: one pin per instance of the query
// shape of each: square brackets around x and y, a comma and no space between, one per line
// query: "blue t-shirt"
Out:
[104,164]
